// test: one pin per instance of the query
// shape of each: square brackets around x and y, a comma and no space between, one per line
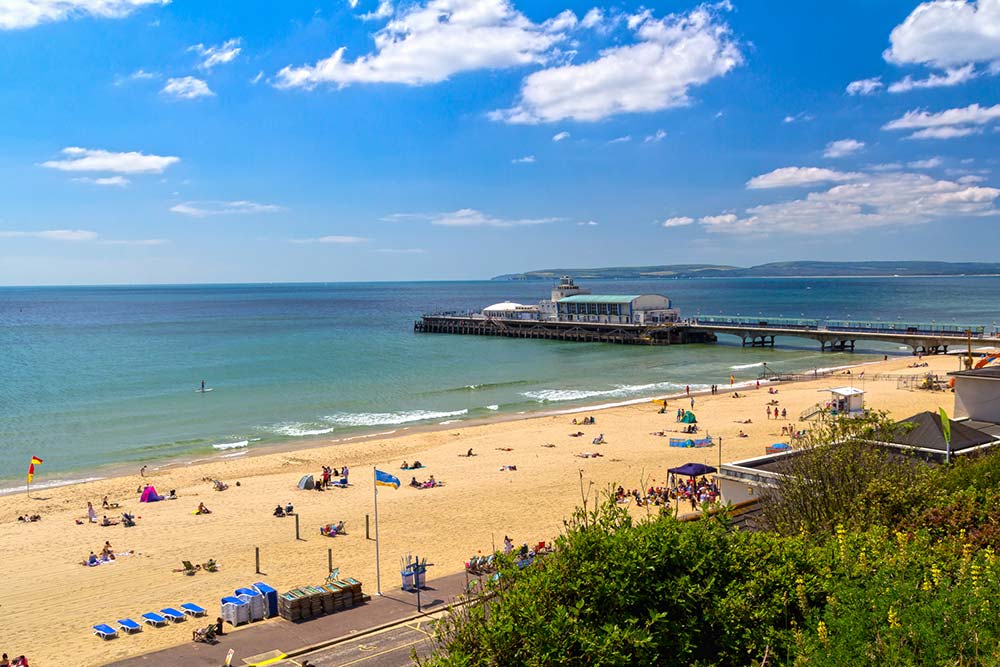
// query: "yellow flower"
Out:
[893,618]
[824,635]
[936,575]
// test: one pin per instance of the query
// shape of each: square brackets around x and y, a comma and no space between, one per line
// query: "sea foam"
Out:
[232,445]
[558,395]
[380,418]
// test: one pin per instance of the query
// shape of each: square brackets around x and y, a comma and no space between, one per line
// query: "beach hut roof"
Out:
[926,432]
[844,391]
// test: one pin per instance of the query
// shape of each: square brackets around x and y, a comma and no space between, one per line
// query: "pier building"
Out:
[617,309]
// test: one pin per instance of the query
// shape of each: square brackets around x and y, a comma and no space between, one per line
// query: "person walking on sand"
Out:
[91,513]
[687,389]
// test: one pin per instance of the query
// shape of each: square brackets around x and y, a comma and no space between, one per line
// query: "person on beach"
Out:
[142,471]
[202,509]
[203,386]
[687,389]
[784,413]
[91,513]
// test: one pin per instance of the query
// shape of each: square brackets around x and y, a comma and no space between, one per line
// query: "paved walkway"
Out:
[293,638]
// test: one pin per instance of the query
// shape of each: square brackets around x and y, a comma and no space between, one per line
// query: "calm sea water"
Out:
[91,376]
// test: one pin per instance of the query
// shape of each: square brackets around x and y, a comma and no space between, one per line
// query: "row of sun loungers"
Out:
[156,619]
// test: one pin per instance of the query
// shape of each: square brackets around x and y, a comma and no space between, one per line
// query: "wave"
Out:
[49,484]
[299,430]
[558,395]
[492,407]
[232,445]
[449,421]
[742,367]
[382,418]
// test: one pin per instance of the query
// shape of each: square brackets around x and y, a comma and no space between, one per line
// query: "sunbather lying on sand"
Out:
[589,455]
[576,435]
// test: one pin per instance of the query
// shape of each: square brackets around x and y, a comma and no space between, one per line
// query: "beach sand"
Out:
[49,601]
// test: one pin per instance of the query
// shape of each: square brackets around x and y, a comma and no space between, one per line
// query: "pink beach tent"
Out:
[149,495]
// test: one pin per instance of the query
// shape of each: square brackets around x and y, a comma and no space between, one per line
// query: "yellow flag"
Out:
[946,426]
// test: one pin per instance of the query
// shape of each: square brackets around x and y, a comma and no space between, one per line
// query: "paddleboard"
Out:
[204,391]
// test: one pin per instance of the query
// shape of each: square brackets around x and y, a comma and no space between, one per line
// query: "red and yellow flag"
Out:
[31,468]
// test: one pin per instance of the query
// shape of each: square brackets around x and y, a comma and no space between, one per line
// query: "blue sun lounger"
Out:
[193,609]
[105,631]
[129,626]
[173,614]
[154,619]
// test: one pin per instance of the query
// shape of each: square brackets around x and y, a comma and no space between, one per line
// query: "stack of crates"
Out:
[308,602]
[270,598]
[235,611]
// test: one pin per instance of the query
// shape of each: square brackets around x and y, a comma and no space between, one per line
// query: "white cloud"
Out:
[971,178]
[469,217]
[947,132]
[587,223]
[94,160]
[789,177]
[186,88]
[670,56]
[430,41]
[402,251]
[353,3]
[53,235]
[138,75]
[680,221]
[801,117]
[336,240]
[621,140]
[527,159]
[947,124]
[656,137]
[254,81]
[888,166]
[865,86]
[929,163]
[219,54]
[843,148]
[17,14]
[715,220]
[383,11]
[204,209]
[944,33]
[115,181]
[951,77]
[593,19]
[877,200]
[560,136]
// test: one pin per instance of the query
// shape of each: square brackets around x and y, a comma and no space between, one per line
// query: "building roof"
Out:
[926,433]
[509,305]
[600,298]
[844,391]
[986,372]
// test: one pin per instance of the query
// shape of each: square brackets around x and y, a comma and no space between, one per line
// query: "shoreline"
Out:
[119,470]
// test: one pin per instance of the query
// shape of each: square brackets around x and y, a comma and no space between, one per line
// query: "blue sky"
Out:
[150,141]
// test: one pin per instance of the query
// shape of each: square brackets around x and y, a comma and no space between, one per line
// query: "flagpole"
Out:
[378,574]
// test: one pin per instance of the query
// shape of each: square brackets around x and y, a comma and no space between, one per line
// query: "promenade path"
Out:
[390,623]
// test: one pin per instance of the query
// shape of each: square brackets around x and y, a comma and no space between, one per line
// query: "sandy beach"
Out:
[50,601]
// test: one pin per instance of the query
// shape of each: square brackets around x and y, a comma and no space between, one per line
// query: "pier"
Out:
[842,335]
[669,333]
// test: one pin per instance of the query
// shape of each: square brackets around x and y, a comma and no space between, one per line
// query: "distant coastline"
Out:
[799,269]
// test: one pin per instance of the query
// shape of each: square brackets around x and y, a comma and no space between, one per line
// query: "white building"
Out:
[508,310]
[977,394]
[565,288]
[617,309]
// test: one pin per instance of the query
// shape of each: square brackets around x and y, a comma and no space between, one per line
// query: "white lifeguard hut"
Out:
[846,401]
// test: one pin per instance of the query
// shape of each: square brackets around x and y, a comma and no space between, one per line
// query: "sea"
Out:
[97,378]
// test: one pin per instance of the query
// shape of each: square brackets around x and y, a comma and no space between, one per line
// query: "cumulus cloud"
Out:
[53,235]
[138,75]
[656,137]
[929,163]
[336,240]
[947,124]
[470,217]
[560,136]
[945,33]
[621,140]
[669,57]
[430,41]
[587,223]
[112,181]
[219,54]
[865,86]
[951,77]
[842,148]
[17,14]
[679,221]
[186,88]
[204,209]
[875,200]
[527,159]
[789,177]
[95,160]
[383,11]
[801,117]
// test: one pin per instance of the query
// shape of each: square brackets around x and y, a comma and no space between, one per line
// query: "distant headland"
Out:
[802,269]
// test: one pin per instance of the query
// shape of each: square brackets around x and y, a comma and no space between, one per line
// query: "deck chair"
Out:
[210,566]
[129,626]
[154,619]
[193,609]
[105,631]
[189,569]
[172,614]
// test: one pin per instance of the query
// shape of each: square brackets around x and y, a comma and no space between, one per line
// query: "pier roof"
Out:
[600,298]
